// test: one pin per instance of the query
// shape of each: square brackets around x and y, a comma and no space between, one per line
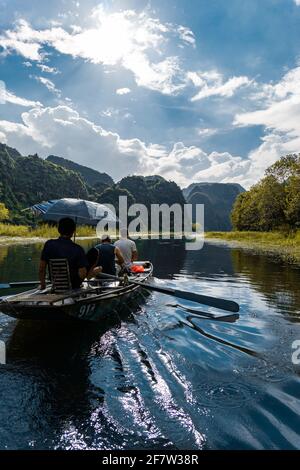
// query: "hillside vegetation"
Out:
[27,180]
[24,181]
[274,202]
[91,177]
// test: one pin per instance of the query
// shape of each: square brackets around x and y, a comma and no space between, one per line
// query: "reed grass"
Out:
[42,231]
[286,245]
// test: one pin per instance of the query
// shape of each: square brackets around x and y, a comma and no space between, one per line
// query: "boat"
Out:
[96,300]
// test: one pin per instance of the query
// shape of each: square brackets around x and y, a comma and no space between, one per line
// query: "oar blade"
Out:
[222,304]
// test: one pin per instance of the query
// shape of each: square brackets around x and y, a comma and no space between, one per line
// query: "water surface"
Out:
[159,376]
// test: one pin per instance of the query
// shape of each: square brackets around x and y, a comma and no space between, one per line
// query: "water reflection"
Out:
[155,377]
[279,283]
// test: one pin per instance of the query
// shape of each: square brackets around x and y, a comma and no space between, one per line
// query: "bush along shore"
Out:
[282,245]
[41,231]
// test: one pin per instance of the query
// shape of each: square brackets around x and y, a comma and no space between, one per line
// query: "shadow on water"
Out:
[49,367]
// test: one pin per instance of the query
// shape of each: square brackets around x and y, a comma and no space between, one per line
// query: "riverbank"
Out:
[278,244]
[41,231]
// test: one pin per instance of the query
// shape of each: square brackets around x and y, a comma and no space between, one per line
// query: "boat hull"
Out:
[95,309]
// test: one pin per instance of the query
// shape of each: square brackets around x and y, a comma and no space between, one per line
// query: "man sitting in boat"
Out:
[127,247]
[64,247]
[104,257]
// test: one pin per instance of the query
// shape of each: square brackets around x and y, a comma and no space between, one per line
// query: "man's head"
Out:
[105,238]
[66,227]
[124,232]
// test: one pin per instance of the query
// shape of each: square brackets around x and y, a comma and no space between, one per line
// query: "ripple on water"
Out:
[224,394]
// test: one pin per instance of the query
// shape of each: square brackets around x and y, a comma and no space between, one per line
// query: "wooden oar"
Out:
[215,302]
[19,284]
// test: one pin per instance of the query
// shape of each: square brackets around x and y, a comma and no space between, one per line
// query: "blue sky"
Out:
[194,90]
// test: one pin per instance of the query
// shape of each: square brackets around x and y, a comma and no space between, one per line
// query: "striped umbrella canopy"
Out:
[81,211]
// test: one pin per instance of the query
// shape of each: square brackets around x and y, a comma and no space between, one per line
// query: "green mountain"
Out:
[91,177]
[24,181]
[152,190]
[218,200]
[145,190]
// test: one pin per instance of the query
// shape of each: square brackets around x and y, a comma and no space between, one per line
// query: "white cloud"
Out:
[212,84]
[190,164]
[207,132]
[123,91]
[297,2]
[46,69]
[125,38]
[49,85]
[279,113]
[62,131]
[9,97]
[187,35]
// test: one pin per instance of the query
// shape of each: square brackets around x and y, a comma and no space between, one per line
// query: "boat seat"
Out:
[60,275]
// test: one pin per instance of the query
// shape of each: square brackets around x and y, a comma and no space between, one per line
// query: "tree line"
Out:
[274,202]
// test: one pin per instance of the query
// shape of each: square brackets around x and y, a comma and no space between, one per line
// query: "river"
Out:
[161,377]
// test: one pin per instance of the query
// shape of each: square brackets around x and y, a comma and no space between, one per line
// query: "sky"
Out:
[192,90]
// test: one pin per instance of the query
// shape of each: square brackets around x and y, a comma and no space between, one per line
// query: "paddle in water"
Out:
[215,302]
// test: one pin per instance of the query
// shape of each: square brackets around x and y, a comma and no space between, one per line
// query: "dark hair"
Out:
[66,226]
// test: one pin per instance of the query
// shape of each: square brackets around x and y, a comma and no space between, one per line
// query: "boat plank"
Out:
[40,298]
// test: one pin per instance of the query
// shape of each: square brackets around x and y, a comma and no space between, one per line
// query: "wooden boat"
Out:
[92,302]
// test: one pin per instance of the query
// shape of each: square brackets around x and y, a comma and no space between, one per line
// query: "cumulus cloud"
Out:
[126,38]
[190,164]
[62,131]
[212,83]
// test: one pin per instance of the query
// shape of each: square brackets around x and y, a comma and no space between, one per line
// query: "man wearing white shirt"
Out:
[127,248]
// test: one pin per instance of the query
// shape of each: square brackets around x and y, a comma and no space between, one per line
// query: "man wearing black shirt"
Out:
[64,247]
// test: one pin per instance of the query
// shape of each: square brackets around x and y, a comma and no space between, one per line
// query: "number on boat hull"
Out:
[86,310]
